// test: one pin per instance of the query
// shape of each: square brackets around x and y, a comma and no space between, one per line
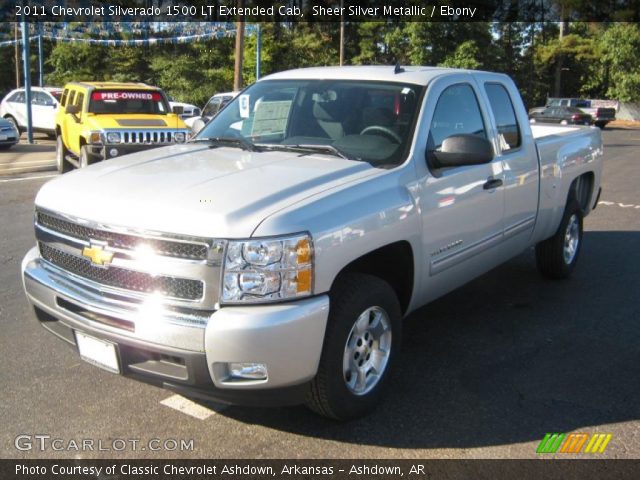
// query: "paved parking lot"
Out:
[26,158]
[485,372]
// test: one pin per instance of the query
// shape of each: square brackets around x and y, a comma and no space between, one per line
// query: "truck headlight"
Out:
[267,269]
[95,137]
[113,137]
[180,137]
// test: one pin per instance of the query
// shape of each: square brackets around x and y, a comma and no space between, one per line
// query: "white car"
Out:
[44,103]
[188,110]
[210,110]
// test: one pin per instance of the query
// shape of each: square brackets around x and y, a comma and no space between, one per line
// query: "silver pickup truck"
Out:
[272,259]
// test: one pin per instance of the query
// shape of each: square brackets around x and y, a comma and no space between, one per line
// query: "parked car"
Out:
[9,135]
[600,115]
[44,104]
[210,110]
[272,259]
[561,115]
[188,110]
[102,120]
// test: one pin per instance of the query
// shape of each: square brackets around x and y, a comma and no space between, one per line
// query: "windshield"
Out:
[368,121]
[128,101]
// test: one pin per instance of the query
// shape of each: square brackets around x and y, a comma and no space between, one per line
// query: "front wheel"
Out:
[557,256]
[85,157]
[61,152]
[362,340]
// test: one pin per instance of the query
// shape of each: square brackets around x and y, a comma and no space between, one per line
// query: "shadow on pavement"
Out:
[506,358]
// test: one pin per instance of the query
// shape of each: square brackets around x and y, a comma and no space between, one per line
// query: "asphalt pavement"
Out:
[25,158]
[485,371]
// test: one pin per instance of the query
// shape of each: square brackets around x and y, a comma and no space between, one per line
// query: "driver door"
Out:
[462,207]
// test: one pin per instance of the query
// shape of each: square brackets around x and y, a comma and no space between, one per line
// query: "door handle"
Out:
[492,183]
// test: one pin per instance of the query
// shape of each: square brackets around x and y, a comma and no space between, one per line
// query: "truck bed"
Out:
[565,152]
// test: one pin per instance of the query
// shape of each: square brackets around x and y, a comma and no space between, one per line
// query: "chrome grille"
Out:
[186,250]
[122,278]
[155,137]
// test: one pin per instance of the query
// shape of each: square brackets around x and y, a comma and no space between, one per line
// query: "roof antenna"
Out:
[398,69]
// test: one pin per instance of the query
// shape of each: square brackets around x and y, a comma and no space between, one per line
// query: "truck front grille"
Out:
[179,288]
[155,137]
[169,248]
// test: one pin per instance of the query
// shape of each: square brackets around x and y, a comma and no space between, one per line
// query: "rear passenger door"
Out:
[17,108]
[519,163]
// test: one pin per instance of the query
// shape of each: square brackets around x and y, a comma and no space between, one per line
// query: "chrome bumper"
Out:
[287,337]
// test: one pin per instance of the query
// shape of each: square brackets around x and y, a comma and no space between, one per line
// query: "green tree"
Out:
[620,45]
[465,56]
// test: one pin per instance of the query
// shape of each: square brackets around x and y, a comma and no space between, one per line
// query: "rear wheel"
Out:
[564,122]
[361,343]
[557,256]
[601,125]
[61,153]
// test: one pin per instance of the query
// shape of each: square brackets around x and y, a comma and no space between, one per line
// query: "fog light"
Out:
[248,371]
[113,152]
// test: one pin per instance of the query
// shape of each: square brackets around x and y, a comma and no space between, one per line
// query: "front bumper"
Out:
[161,349]
[105,152]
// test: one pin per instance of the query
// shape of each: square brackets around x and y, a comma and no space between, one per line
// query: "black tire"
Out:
[61,152]
[86,158]
[601,125]
[550,254]
[352,296]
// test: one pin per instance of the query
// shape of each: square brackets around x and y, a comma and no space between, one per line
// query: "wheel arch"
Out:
[393,263]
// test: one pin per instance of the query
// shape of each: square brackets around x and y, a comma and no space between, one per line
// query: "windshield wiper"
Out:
[308,148]
[243,143]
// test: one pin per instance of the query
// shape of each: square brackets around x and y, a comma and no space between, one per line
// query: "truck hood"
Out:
[196,190]
[132,121]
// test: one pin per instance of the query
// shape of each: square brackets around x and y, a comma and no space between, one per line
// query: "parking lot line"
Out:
[191,408]
[618,204]
[21,179]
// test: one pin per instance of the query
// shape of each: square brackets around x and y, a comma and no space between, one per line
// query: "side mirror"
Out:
[178,110]
[72,109]
[198,125]
[460,150]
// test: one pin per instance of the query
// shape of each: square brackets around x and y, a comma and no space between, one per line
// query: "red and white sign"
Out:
[115,95]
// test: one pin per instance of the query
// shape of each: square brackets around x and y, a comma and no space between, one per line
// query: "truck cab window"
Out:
[457,112]
[502,108]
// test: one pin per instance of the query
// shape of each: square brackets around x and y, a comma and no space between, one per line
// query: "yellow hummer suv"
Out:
[101,120]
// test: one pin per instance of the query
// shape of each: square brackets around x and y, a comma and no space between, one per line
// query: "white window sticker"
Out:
[244,106]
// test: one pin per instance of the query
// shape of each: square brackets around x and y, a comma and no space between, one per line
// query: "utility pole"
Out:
[237,71]
[40,60]
[341,33]
[27,77]
[564,29]
[17,54]
[258,50]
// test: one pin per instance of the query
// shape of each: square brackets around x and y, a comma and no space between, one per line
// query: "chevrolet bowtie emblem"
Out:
[98,255]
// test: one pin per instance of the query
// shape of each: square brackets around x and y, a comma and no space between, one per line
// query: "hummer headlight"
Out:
[180,137]
[113,137]
[95,137]
[267,269]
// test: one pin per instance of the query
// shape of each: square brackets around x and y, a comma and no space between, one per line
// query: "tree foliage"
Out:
[596,59]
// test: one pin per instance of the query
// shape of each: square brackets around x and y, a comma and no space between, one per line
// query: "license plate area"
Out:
[98,352]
